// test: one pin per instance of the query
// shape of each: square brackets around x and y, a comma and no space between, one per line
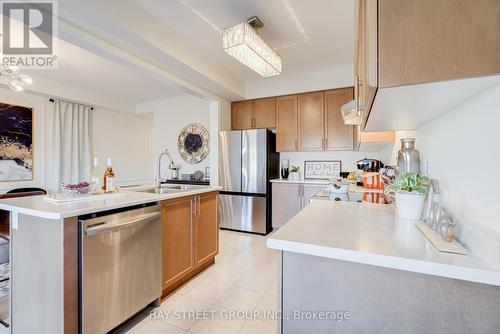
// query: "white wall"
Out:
[170,116]
[127,139]
[462,150]
[307,82]
[124,137]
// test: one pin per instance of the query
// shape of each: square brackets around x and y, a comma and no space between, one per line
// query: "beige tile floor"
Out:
[243,278]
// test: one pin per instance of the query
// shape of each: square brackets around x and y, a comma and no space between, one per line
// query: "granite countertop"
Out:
[38,206]
[372,234]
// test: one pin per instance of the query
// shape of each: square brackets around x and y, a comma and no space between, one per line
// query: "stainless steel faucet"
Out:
[158,179]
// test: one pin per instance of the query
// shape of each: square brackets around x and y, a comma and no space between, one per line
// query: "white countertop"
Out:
[38,206]
[352,188]
[372,234]
[325,182]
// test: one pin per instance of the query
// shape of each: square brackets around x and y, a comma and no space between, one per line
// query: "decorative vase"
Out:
[175,174]
[410,205]
[294,176]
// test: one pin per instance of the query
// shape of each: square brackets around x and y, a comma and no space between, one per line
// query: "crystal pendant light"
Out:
[243,43]
[16,82]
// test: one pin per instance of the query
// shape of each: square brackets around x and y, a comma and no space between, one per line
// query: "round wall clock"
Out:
[193,143]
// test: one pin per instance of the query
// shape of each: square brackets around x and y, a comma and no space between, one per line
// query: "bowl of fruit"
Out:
[76,189]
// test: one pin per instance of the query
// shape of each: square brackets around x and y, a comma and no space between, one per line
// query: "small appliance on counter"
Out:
[370,176]
[408,157]
[373,180]
[338,186]
[369,165]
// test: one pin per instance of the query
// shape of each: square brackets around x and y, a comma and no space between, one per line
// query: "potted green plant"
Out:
[294,173]
[410,194]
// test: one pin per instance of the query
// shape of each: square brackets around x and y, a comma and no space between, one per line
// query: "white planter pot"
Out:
[410,205]
[294,176]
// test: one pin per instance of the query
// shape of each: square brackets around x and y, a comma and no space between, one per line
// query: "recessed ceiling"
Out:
[309,35]
[85,70]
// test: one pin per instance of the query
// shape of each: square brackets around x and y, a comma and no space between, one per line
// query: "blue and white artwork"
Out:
[16,142]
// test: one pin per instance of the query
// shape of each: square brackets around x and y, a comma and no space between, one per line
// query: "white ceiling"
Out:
[145,50]
[85,70]
[310,35]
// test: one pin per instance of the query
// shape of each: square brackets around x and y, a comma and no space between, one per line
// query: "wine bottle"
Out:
[95,173]
[109,178]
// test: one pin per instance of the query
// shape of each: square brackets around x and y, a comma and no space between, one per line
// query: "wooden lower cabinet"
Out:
[206,229]
[178,259]
[190,237]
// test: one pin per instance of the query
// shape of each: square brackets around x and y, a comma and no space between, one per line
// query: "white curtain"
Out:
[69,130]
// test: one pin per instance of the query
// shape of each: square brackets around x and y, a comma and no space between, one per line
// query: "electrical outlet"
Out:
[427,169]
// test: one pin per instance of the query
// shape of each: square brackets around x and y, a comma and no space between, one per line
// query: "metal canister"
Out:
[408,157]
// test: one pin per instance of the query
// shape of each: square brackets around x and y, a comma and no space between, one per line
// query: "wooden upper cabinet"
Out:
[206,231]
[264,113]
[242,115]
[338,135]
[178,257]
[311,121]
[427,40]
[286,124]
[254,114]
[366,77]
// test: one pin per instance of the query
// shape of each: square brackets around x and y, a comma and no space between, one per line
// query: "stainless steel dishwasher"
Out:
[120,266]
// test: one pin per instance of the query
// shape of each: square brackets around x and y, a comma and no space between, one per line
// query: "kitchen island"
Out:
[45,261]
[376,273]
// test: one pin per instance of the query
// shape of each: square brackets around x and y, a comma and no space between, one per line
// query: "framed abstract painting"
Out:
[16,142]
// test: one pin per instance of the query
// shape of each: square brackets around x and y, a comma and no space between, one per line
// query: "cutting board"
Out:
[59,198]
[439,243]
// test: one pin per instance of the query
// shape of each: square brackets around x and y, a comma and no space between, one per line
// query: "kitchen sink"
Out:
[172,188]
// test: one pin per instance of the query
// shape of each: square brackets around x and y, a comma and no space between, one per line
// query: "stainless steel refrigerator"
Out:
[248,161]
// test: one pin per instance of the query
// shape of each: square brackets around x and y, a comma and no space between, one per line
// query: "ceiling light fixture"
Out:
[17,82]
[243,43]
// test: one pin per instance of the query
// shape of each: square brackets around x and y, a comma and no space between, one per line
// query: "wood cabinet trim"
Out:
[377,137]
[70,279]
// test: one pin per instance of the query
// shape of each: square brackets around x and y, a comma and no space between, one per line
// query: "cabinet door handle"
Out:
[326,144]
[199,204]
[296,145]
